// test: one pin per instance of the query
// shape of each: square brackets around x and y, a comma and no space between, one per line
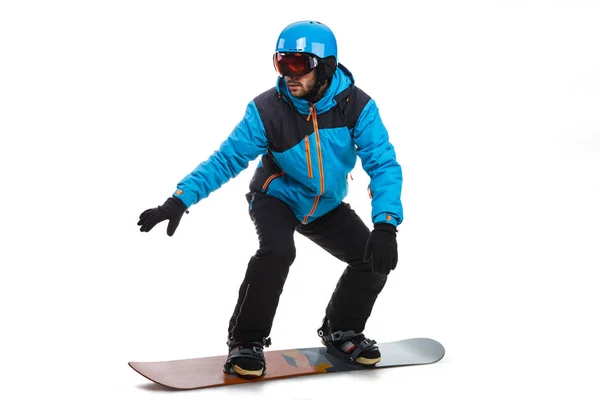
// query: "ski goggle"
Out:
[294,64]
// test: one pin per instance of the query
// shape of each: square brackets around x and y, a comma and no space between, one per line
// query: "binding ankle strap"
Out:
[335,336]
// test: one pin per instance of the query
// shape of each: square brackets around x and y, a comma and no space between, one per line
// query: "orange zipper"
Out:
[312,210]
[268,181]
[313,113]
[308,159]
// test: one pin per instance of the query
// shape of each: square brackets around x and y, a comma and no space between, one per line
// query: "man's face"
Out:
[302,86]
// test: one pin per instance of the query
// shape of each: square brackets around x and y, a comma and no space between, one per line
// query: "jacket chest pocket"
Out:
[308,157]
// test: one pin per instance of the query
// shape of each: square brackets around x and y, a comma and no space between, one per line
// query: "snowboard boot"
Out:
[246,359]
[351,347]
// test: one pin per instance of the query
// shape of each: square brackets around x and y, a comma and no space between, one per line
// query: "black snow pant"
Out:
[340,232]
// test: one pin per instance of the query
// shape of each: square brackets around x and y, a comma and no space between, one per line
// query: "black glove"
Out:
[382,249]
[172,210]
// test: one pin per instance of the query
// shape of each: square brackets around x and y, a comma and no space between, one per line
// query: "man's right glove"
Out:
[172,210]
[382,249]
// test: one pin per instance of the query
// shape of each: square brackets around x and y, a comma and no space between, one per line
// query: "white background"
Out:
[494,110]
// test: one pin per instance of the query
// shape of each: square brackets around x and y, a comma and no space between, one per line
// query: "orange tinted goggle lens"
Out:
[293,64]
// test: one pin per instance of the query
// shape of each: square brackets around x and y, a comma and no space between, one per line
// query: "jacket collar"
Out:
[341,80]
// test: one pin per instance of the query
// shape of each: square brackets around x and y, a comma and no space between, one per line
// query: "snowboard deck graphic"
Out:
[197,373]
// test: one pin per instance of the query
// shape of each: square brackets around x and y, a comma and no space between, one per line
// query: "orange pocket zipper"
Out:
[270,179]
[308,160]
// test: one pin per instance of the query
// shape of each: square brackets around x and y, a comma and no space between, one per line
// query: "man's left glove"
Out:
[172,210]
[382,249]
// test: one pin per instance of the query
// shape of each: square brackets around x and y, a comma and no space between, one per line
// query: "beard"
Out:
[301,90]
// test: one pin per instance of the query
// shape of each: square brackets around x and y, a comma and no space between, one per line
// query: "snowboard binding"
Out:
[347,345]
[251,353]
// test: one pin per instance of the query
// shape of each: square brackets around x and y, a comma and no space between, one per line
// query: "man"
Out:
[309,130]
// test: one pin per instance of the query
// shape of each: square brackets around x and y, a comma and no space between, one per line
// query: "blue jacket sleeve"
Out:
[378,159]
[246,142]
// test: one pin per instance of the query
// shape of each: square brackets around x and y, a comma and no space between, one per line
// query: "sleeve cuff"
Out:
[386,218]
[180,195]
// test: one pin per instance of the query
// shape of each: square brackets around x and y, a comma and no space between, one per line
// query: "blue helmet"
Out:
[307,37]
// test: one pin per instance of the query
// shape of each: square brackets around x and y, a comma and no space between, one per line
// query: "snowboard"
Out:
[197,373]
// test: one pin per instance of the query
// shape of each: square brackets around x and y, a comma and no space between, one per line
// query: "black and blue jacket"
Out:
[308,151]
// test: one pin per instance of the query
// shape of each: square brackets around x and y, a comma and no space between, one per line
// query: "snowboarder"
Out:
[309,130]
